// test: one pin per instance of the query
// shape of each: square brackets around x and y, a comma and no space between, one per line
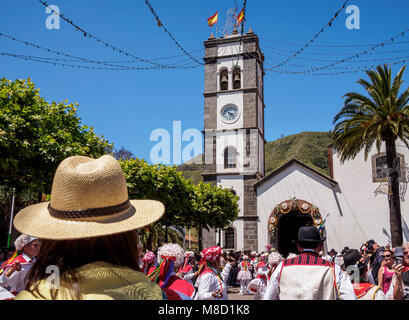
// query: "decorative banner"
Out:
[293,205]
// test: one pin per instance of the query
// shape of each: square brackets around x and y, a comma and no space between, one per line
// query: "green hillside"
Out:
[307,147]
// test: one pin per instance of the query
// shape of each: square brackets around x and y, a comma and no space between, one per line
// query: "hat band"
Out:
[93,212]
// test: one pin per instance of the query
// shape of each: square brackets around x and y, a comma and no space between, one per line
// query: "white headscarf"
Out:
[172,250]
[274,258]
[23,240]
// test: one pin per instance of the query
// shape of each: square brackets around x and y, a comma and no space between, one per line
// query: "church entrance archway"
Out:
[287,231]
[286,219]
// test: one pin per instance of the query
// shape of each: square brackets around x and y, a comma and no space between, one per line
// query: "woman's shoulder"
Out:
[117,282]
[103,281]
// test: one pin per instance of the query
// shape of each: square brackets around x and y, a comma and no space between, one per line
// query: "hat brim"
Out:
[35,220]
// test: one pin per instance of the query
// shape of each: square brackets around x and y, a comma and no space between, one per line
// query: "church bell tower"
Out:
[234,130]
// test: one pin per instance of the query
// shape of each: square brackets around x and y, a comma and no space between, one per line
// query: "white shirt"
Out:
[17,281]
[188,276]
[209,282]
[345,288]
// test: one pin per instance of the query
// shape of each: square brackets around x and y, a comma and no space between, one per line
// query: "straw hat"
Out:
[89,198]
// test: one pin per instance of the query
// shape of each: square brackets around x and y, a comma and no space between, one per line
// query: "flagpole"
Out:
[11,219]
[217,22]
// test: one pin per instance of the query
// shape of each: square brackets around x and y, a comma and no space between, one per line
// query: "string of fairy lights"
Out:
[277,54]
[329,24]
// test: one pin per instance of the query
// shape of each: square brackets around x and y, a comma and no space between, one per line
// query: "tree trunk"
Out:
[395,217]
[149,242]
[200,236]
[166,228]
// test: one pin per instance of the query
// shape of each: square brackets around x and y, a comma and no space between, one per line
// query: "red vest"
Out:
[363,289]
[186,269]
[180,286]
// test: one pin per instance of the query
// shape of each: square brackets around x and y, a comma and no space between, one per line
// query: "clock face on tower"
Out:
[229,113]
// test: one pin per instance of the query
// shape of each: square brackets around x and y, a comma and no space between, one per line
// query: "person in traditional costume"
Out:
[211,284]
[274,259]
[244,275]
[259,284]
[170,258]
[13,271]
[254,260]
[363,289]
[149,262]
[294,278]
[186,269]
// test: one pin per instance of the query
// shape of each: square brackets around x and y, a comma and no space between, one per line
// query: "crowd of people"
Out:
[89,232]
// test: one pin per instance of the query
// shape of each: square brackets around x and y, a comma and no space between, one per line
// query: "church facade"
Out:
[351,203]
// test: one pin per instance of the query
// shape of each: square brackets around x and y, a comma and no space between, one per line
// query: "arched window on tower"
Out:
[224,80]
[229,238]
[230,157]
[236,78]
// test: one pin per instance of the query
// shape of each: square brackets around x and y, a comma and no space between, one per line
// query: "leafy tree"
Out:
[162,183]
[35,136]
[212,207]
[186,204]
[380,117]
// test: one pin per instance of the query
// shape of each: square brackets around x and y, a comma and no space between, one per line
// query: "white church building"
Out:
[353,200]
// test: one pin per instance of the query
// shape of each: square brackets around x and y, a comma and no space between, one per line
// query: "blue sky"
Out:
[126,106]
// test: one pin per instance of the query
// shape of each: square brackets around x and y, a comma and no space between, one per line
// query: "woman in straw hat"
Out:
[211,284]
[88,231]
[170,257]
[14,270]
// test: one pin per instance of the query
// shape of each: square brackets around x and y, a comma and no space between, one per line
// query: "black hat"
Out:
[344,250]
[351,257]
[369,244]
[309,234]
[333,251]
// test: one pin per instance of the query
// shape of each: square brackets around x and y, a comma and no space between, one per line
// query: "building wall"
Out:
[355,213]
[236,183]
[370,210]
[298,182]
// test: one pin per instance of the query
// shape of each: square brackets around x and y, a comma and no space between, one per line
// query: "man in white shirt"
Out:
[307,276]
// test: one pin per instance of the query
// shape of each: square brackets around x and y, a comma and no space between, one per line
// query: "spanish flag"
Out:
[240,17]
[213,19]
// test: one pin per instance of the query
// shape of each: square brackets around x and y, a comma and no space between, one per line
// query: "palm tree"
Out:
[153,236]
[380,117]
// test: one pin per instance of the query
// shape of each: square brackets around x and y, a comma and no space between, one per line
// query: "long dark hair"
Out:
[119,249]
